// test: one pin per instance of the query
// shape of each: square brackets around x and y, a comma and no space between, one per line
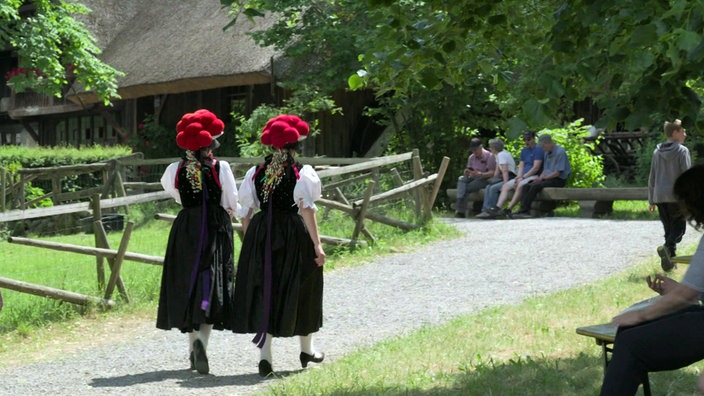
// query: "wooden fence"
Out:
[353,186]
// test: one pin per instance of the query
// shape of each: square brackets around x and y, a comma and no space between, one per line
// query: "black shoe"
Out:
[521,215]
[200,359]
[192,360]
[459,215]
[507,213]
[265,369]
[665,258]
[306,358]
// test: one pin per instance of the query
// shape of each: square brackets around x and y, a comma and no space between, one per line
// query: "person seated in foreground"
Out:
[666,335]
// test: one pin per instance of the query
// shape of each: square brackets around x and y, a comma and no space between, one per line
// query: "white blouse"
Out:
[227,180]
[308,189]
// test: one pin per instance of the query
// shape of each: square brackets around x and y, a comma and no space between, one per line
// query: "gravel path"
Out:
[363,305]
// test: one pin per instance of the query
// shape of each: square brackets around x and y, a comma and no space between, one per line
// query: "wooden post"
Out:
[117,265]
[97,218]
[359,221]
[20,195]
[428,213]
[56,189]
[50,292]
[365,230]
[3,189]
[101,241]
[417,174]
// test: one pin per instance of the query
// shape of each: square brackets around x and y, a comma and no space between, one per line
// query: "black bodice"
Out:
[282,196]
[191,198]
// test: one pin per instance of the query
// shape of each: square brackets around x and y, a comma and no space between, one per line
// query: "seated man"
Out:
[480,167]
[505,171]
[529,167]
[556,170]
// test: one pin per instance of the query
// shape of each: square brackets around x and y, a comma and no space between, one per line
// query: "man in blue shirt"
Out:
[556,170]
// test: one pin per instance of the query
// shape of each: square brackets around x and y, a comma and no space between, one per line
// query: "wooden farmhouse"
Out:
[176,59]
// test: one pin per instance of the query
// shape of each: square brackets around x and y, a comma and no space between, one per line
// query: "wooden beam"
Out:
[51,292]
[91,251]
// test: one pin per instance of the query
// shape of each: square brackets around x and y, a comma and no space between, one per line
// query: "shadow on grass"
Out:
[581,375]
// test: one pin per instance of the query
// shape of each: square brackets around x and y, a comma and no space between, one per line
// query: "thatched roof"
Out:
[174,46]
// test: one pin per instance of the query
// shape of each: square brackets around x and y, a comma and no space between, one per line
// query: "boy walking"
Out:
[670,159]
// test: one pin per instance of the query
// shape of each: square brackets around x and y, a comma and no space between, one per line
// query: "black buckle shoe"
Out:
[265,369]
[200,359]
[306,358]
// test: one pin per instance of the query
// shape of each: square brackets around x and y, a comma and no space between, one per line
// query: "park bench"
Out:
[593,202]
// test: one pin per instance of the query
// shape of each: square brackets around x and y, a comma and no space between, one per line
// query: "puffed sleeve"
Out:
[308,188]
[229,188]
[248,194]
[168,181]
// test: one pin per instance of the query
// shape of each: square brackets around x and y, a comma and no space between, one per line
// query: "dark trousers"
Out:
[674,223]
[668,343]
[531,190]
[465,186]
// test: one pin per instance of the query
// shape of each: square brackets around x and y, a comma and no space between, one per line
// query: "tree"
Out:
[54,49]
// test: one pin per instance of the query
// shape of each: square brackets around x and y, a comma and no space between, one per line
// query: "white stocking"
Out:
[307,344]
[265,350]
[192,337]
[204,334]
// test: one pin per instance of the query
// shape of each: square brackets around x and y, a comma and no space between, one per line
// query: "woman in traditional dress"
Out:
[197,284]
[279,285]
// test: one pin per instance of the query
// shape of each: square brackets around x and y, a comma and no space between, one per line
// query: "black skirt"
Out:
[296,303]
[191,297]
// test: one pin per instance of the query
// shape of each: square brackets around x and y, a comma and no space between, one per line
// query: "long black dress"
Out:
[197,284]
[295,295]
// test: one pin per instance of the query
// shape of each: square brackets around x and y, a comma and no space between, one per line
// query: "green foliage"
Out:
[56,48]
[249,128]
[154,140]
[587,169]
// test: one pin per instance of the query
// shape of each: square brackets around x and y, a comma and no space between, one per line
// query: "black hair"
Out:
[689,189]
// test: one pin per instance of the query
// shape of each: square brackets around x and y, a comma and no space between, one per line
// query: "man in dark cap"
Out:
[480,167]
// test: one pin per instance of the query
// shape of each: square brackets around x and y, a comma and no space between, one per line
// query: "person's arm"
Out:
[504,171]
[679,297]
[308,215]
[537,164]
[245,221]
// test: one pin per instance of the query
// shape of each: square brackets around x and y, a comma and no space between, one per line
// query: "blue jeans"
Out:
[491,195]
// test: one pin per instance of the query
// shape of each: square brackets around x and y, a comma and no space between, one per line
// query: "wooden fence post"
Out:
[359,224]
[102,242]
[97,218]
[417,174]
[430,201]
[117,265]
[3,189]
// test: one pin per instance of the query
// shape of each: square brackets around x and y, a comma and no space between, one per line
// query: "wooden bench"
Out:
[593,202]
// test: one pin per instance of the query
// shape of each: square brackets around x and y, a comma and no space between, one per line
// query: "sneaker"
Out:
[665,258]
[494,211]
[484,215]
[459,215]
[521,215]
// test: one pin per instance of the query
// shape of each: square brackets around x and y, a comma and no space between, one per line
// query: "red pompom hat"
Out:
[198,129]
[284,129]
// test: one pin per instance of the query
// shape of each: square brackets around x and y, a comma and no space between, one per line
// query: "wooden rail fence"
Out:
[367,176]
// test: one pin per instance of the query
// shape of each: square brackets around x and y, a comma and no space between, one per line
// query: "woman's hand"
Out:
[661,284]
[320,255]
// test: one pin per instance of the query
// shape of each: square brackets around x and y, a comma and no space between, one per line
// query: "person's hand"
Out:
[319,255]
[651,208]
[467,172]
[661,284]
